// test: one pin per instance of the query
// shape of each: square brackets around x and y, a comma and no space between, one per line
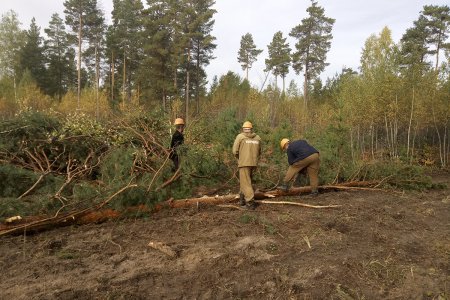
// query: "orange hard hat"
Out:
[283,143]
[179,121]
[247,124]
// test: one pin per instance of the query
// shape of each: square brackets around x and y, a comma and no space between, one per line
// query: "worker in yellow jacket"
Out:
[247,149]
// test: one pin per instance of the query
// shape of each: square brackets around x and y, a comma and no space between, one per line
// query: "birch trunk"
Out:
[410,122]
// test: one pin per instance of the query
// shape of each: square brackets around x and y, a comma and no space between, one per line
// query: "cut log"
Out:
[195,201]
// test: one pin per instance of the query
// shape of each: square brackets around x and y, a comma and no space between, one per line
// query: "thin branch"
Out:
[33,186]
[11,130]
[297,204]
[175,176]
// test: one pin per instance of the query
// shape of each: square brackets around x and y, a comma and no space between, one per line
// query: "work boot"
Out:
[314,193]
[241,199]
[283,187]
[251,205]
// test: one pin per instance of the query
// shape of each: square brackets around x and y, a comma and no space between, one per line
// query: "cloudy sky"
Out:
[356,20]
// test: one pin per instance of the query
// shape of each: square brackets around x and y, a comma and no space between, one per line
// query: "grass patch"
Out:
[67,254]
[252,219]
[247,219]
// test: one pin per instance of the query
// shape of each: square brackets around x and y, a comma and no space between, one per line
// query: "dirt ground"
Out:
[377,245]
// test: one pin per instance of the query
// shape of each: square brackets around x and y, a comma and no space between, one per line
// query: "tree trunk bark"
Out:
[124,80]
[80,19]
[97,84]
[410,122]
[372,133]
[112,77]
[305,90]
[197,80]
[187,85]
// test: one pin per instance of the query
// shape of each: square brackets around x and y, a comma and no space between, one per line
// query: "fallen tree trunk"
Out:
[214,200]
[94,214]
[60,220]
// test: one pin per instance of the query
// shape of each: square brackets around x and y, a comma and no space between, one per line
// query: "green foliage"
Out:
[117,165]
[231,93]
[133,149]
[247,52]
[12,39]
[32,55]
[279,55]
[272,140]
[67,254]
[26,130]
[397,175]
[80,124]
[12,207]
[248,219]
[40,204]
[202,166]
[85,190]
[60,69]
[133,197]
[259,220]
[335,161]
[334,148]
[201,160]
[225,128]
[15,181]
[313,37]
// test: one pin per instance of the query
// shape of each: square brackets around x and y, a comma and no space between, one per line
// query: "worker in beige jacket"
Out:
[247,149]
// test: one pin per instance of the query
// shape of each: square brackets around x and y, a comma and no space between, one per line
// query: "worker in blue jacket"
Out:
[301,156]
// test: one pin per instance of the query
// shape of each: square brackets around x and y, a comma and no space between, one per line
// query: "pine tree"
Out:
[279,57]
[61,69]
[96,39]
[203,44]
[80,16]
[313,42]
[413,45]
[178,46]
[124,47]
[32,55]
[94,53]
[186,25]
[437,21]
[247,53]
[160,65]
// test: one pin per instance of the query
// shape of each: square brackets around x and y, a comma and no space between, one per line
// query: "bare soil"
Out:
[377,245]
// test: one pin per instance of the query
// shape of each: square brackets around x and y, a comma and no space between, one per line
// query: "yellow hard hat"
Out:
[247,124]
[283,143]
[179,121]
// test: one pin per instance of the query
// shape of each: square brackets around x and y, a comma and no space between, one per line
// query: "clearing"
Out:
[377,245]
